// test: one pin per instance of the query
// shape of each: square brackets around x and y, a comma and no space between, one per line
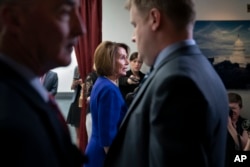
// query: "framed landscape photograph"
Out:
[227,45]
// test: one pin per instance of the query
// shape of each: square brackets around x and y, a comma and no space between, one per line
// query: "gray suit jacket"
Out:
[179,116]
[51,82]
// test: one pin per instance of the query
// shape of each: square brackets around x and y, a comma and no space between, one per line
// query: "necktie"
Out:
[59,115]
[145,77]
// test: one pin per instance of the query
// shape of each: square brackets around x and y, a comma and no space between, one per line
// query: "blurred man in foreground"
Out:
[36,36]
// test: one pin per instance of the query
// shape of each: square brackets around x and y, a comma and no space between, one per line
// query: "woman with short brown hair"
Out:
[107,105]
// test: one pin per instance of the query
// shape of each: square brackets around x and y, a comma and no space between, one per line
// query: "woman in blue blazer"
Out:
[107,105]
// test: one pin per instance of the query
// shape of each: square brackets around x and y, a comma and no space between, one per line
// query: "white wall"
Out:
[65,75]
[116,26]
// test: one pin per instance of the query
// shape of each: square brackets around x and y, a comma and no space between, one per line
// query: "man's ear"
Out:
[155,18]
[10,16]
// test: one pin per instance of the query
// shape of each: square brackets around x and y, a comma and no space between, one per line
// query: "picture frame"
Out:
[226,43]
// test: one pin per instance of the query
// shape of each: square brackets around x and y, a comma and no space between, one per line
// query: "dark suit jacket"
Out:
[179,116]
[31,133]
[51,82]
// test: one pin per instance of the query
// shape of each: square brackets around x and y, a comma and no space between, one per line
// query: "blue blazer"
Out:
[31,134]
[179,116]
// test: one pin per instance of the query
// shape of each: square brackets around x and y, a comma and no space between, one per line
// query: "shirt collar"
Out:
[170,49]
[27,74]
